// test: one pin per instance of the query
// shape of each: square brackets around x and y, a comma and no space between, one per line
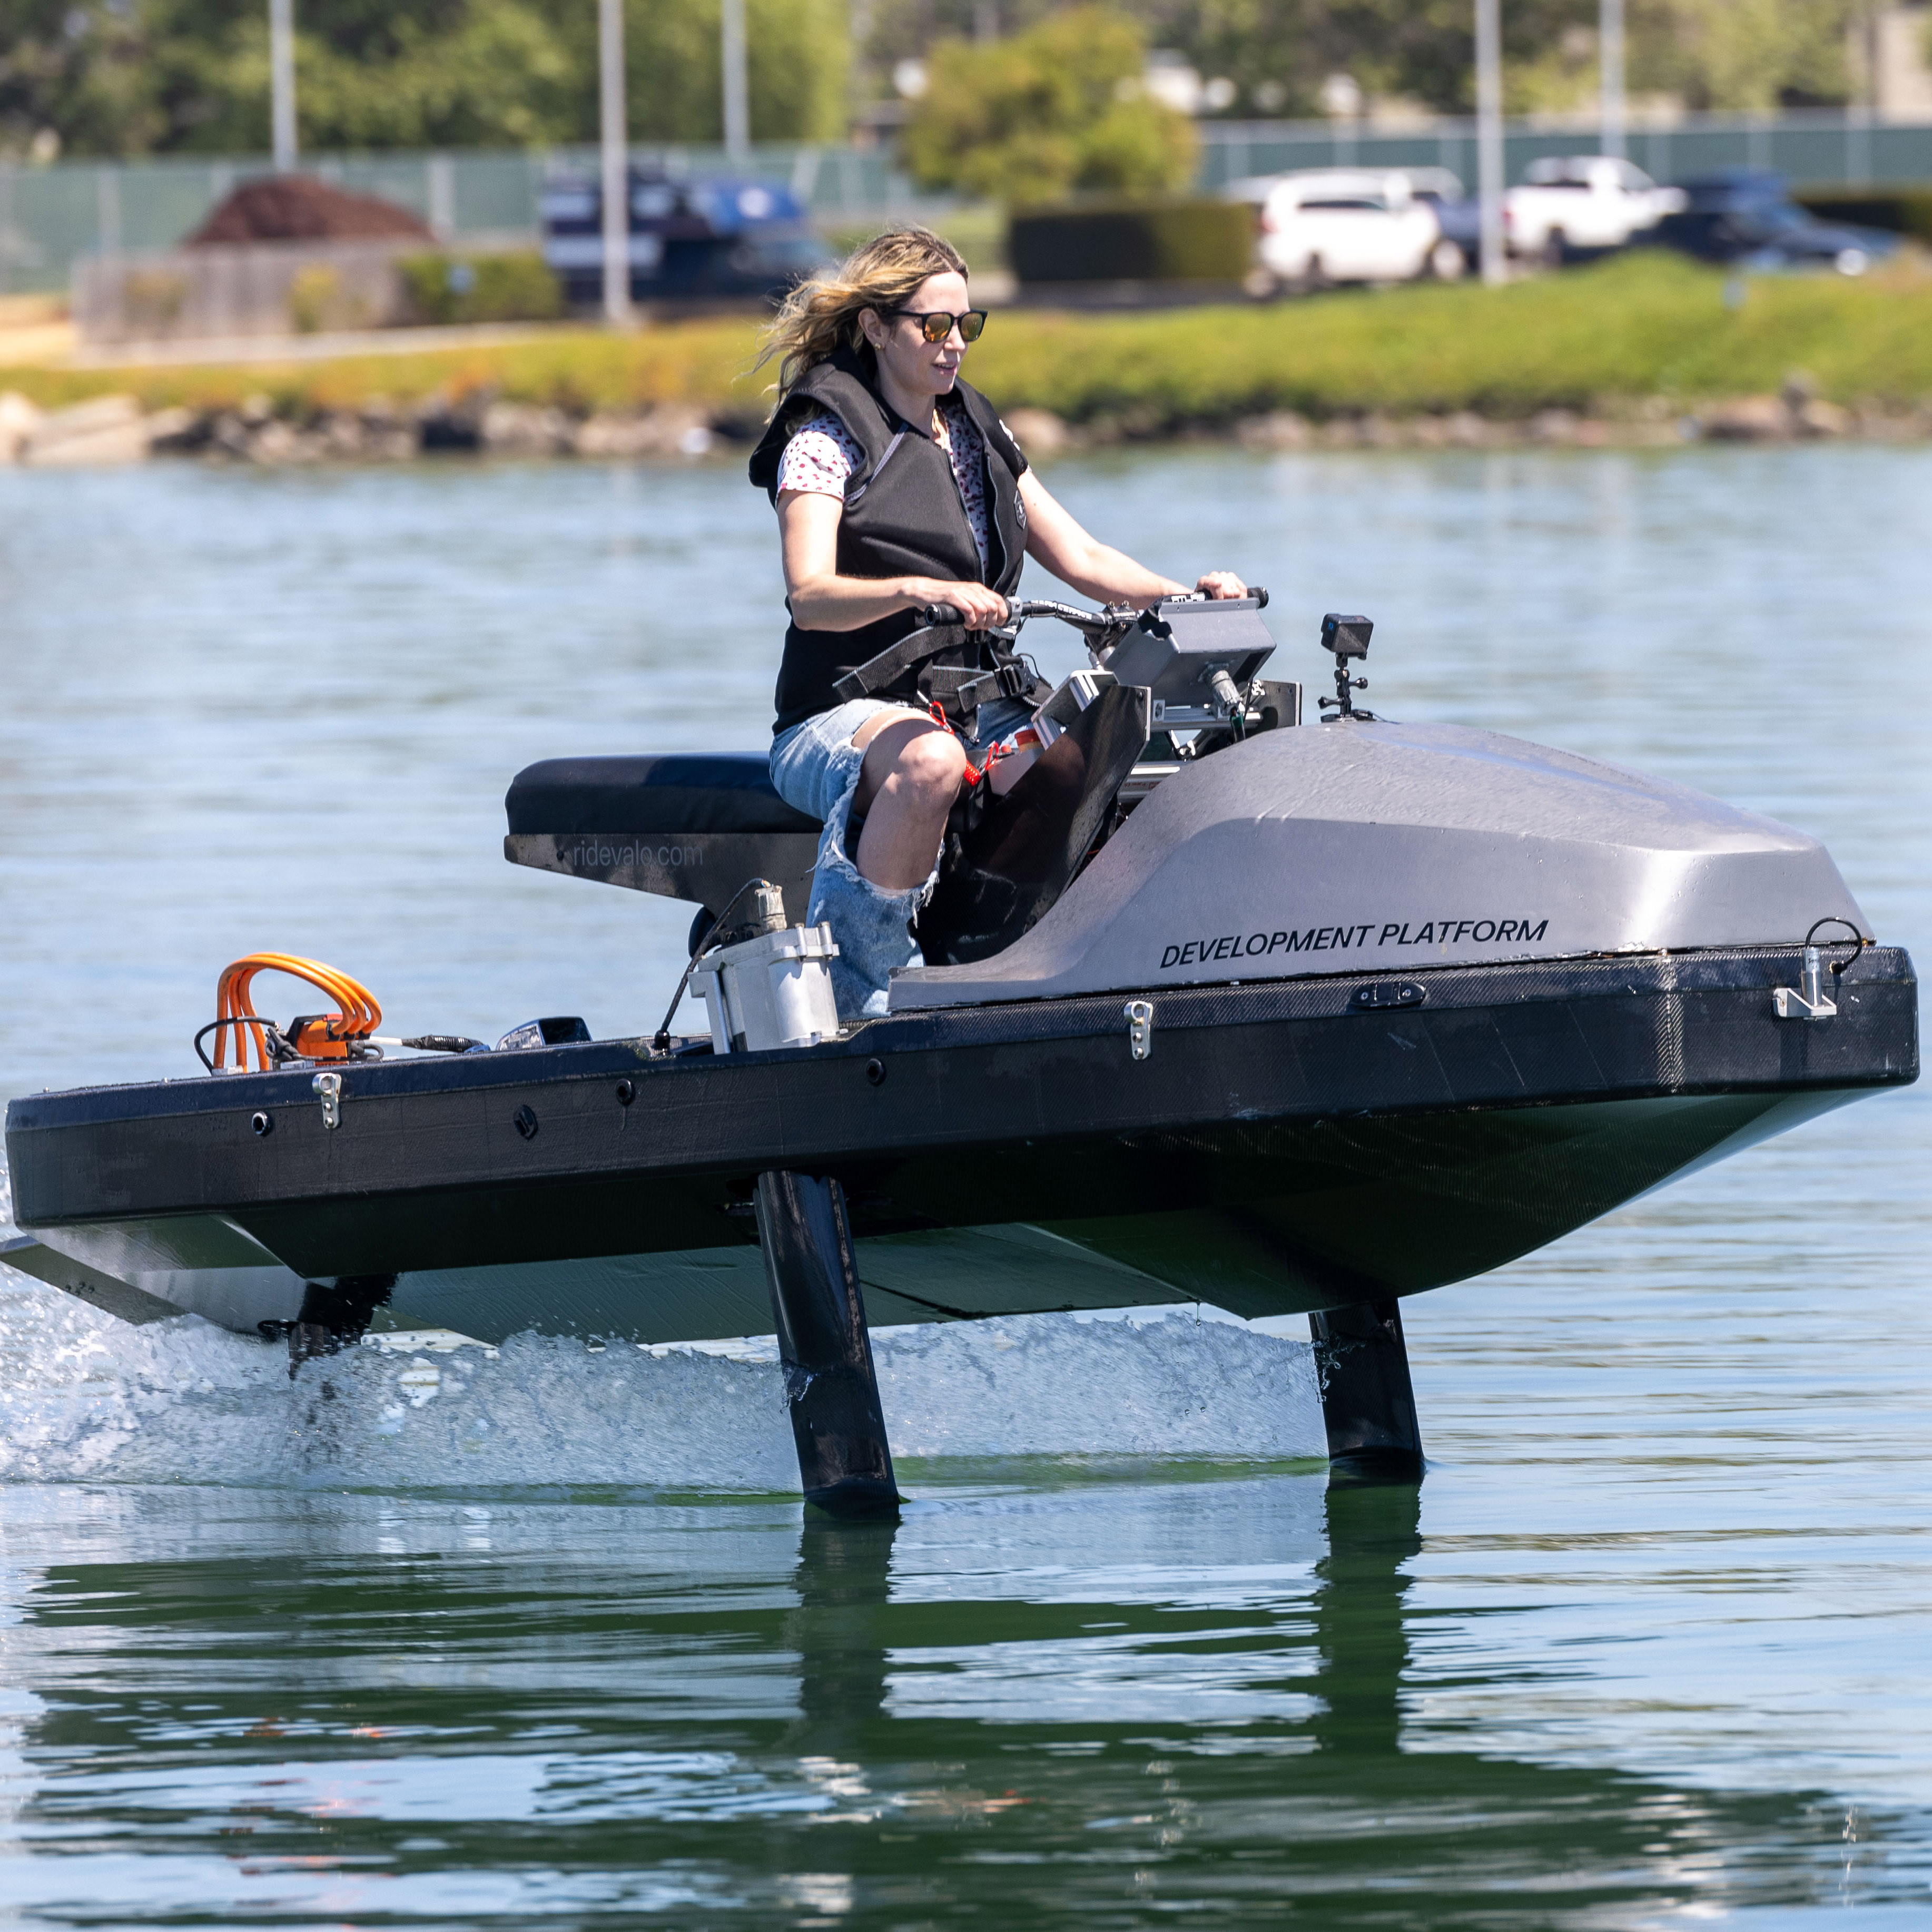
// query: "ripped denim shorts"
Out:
[814,766]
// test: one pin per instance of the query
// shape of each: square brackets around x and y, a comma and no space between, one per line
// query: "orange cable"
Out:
[359,1015]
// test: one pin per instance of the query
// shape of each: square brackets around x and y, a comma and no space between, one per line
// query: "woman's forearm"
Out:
[833,603]
[822,599]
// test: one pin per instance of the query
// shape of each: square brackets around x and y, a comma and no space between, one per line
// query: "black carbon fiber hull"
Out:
[1281,1146]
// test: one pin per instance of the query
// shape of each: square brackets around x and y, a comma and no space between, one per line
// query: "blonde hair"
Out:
[820,316]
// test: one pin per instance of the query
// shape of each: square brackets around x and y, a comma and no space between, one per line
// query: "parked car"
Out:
[1575,205]
[1746,216]
[1344,225]
[1459,218]
[718,237]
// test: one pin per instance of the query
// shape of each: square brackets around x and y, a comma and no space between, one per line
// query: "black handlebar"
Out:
[947,614]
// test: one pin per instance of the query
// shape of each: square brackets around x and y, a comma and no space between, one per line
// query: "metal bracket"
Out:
[328,1086]
[1806,1000]
[1140,1027]
[1390,993]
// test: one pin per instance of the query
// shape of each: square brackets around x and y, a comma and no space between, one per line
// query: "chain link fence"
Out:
[50,217]
[1816,149]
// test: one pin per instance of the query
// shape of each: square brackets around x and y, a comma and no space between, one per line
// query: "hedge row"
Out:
[514,287]
[1125,241]
[1902,211]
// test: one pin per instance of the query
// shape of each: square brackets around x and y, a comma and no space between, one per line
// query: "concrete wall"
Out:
[268,289]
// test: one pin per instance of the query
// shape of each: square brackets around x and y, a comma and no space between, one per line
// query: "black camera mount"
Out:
[1347,637]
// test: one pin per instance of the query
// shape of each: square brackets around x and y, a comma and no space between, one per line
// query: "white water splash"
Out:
[83,1396]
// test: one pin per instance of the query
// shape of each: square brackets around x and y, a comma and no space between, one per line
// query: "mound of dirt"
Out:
[299,207]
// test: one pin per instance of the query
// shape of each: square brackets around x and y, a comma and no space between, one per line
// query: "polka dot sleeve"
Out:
[819,458]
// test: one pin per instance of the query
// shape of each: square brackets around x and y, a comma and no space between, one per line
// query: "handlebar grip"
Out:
[1260,595]
[941,614]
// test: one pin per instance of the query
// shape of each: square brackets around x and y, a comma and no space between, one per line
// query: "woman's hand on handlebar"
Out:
[1220,584]
[979,609]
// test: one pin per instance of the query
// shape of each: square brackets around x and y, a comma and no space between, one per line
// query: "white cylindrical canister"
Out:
[803,1006]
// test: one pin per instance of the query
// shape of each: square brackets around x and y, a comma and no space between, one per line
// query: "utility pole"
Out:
[737,95]
[1865,108]
[1489,137]
[614,130]
[282,83]
[1610,62]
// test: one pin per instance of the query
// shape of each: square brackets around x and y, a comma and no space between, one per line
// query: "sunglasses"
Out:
[935,325]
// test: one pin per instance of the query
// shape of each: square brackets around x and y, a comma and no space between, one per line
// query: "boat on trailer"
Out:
[1220,1006]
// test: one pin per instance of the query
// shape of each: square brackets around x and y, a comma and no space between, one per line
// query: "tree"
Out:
[135,76]
[1058,107]
[1740,54]
[1712,54]
[144,76]
[798,58]
[74,70]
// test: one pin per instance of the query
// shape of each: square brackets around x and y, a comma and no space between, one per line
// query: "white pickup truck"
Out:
[1582,202]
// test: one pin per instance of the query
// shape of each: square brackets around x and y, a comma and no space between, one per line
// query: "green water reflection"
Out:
[1093,1703]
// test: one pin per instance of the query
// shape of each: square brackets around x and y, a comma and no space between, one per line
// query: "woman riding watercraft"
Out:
[1289,1017]
[898,488]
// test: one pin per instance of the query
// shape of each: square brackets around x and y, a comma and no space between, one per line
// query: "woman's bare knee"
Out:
[916,770]
[932,766]
[907,758]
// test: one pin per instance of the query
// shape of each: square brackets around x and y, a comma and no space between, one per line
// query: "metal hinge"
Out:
[328,1086]
[1140,1027]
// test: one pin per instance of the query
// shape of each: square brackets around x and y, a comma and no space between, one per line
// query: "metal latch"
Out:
[1140,1027]
[1390,993]
[1808,1000]
[329,1087]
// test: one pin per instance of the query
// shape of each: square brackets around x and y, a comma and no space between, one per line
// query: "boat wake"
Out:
[85,1397]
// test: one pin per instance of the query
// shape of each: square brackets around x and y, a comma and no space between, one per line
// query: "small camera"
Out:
[1346,637]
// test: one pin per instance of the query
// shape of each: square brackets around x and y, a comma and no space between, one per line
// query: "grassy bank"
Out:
[582,370]
[1601,340]
[1598,339]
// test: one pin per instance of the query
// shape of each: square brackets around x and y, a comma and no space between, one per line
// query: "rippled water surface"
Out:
[440,1634]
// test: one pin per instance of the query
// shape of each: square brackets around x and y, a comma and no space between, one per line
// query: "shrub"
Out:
[1902,211]
[318,301]
[482,288]
[1152,241]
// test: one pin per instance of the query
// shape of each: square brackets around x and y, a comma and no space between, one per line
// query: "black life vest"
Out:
[903,517]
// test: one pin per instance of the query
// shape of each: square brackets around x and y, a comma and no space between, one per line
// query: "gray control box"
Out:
[1195,657]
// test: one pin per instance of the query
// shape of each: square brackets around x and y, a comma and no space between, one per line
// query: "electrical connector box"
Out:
[770,992]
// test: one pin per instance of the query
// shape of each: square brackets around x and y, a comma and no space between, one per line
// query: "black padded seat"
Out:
[712,791]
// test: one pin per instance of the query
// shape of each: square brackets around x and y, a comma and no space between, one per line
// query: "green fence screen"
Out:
[51,216]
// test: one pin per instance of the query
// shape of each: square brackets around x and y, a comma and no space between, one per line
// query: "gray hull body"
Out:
[1365,846]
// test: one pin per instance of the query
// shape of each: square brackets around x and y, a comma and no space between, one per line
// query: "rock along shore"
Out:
[114,430]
